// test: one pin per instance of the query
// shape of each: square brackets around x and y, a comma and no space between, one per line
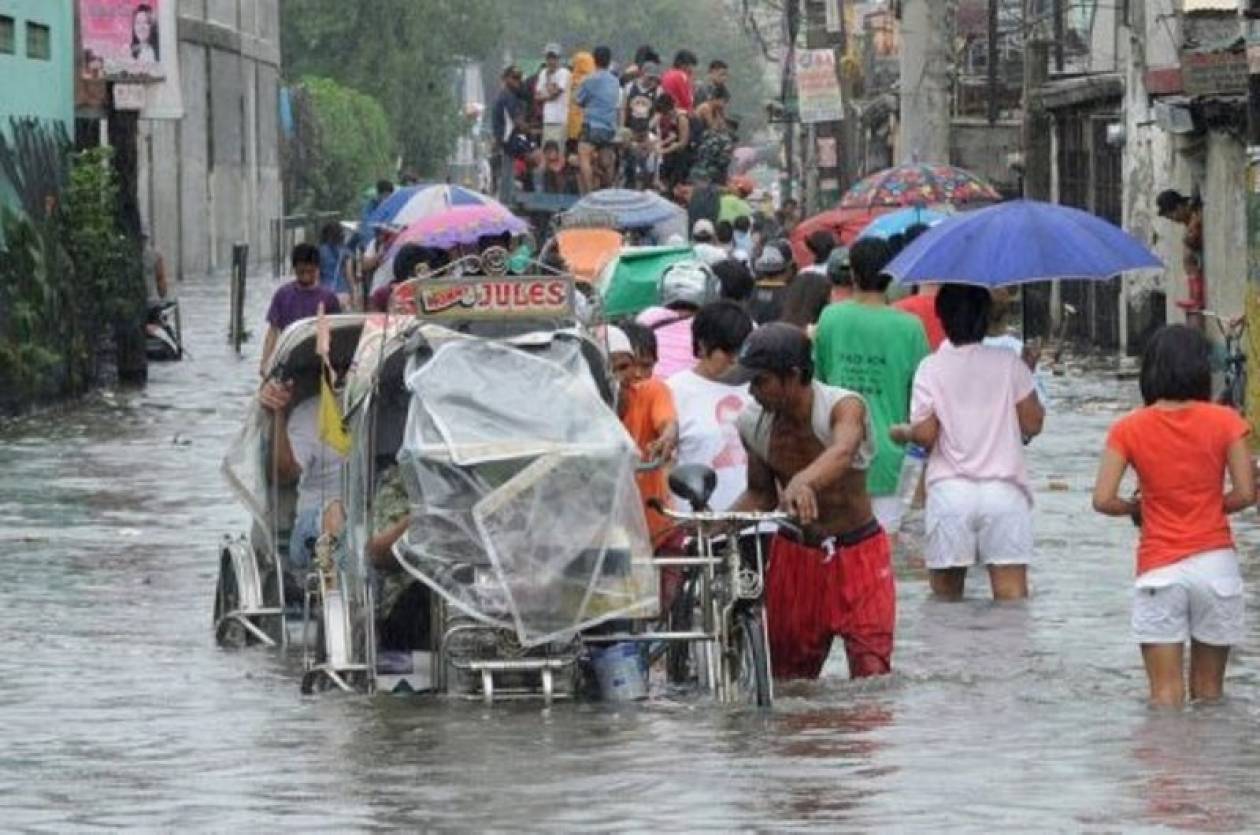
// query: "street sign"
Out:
[818,86]
[1214,73]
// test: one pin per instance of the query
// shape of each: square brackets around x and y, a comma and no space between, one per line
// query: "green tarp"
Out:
[630,282]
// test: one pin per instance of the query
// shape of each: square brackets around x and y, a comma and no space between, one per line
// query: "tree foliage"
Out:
[346,142]
[402,53]
[70,280]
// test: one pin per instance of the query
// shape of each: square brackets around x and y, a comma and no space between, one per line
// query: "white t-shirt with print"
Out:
[707,434]
[556,111]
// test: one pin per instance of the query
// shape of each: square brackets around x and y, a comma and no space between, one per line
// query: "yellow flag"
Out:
[332,430]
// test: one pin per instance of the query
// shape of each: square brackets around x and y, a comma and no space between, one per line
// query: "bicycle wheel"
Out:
[750,658]
[682,615]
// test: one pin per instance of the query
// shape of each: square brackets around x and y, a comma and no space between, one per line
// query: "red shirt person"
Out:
[922,305]
[677,81]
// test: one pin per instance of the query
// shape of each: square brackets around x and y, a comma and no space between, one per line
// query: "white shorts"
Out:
[1199,597]
[889,510]
[558,134]
[977,523]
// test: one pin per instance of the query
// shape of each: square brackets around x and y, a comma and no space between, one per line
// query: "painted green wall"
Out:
[30,87]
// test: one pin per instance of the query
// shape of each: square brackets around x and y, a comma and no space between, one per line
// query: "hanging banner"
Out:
[121,40]
[817,87]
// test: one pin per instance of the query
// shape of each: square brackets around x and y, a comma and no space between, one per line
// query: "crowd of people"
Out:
[804,386]
[576,126]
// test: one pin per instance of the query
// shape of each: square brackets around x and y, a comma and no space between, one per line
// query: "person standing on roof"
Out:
[685,287]
[678,81]
[600,100]
[553,93]
[719,74]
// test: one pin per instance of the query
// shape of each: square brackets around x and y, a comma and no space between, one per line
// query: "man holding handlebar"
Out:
[809,446]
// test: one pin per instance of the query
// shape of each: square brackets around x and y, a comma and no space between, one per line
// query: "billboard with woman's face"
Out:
[120,40]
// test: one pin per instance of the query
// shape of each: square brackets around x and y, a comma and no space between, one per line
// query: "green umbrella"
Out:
[630,282]
[733,207]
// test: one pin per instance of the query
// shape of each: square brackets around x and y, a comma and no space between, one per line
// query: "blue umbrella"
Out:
[1021,241]
[893,223]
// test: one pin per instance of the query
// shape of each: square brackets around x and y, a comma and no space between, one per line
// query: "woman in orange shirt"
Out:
[1188,583]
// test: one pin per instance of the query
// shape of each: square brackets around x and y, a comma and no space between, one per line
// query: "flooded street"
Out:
[118,709]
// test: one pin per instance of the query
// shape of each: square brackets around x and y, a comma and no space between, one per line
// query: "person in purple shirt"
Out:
[299,299]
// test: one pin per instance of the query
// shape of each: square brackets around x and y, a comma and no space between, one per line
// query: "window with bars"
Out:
[8,35]
[38,41]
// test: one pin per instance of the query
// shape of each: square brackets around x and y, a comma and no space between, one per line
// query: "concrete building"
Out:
[213,178]
[37,61]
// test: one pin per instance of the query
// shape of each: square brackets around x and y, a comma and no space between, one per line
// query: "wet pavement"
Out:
[117,708]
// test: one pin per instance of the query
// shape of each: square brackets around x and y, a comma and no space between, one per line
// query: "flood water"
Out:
[117,708]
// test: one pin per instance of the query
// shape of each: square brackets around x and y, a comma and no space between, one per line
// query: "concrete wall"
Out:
[213,178]
[34,87]
[986,150]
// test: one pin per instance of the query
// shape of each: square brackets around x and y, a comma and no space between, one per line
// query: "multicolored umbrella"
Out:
[920,184]
[412,203]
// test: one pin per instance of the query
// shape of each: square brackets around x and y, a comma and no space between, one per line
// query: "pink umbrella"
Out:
[459,226]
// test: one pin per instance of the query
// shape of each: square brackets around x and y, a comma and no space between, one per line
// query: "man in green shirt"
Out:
[866,346]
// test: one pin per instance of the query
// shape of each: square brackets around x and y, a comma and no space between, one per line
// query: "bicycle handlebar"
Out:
[750,517]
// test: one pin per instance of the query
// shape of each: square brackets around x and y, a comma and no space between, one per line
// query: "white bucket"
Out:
[621,672]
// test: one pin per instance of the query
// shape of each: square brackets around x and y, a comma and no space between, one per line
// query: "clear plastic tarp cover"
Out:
[525,512]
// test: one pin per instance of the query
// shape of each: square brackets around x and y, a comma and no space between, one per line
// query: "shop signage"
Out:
[1220,73]
[122,40]
[495,297]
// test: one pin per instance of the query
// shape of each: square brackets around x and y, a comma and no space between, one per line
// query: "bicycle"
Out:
[1234,388]
[722,589]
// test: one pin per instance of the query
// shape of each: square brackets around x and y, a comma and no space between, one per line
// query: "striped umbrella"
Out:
[412,203]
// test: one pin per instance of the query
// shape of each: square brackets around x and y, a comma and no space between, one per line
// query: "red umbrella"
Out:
[920,184]
[845,224]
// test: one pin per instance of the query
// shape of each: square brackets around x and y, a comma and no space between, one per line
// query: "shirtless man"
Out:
[809,446]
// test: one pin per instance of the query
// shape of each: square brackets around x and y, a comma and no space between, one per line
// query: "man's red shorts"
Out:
[813,595]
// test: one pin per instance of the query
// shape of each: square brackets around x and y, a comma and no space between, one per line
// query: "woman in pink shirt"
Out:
[974,406]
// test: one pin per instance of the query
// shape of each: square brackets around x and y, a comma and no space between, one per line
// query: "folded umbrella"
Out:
[1018,242]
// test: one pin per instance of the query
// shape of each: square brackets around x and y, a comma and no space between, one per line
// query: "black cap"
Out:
[777,347]
[1169,201]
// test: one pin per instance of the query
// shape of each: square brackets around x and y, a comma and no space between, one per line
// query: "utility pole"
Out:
[832,148]
[787,94]
[1251,31]
[1041,304]
[992,62]
[927,28]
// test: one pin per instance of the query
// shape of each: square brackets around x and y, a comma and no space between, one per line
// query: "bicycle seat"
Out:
[695,483]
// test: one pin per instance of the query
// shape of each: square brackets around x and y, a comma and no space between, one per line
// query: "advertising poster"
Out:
[122,40]
[817,87]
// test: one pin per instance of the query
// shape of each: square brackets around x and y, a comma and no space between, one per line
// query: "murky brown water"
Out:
[117,709]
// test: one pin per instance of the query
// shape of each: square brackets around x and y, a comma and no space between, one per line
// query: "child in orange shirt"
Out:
[646,407]
[1188,584]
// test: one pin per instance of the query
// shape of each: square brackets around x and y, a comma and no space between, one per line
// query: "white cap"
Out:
[703,228]
[618,342]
